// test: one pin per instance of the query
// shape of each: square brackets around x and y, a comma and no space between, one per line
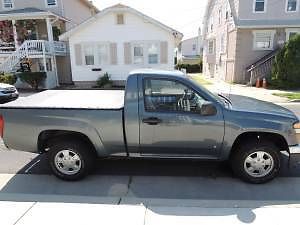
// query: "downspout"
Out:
[62,8]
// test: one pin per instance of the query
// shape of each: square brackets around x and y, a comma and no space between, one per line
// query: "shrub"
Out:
[286,67]
[104,81]
[34,79]
[8,78]
[190,68]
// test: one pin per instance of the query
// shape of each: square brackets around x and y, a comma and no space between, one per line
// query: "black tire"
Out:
[83,150]
[247,148]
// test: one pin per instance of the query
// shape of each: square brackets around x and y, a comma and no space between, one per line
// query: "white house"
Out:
[190,50]
[117,40]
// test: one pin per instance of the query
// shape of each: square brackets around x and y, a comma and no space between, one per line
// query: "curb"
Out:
[147,202]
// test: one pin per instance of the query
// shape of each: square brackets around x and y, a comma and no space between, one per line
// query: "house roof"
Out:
[25,10]
[118,8]
[27,13]
[268,23]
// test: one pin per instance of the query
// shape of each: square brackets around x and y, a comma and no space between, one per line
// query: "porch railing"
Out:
[33,49]
[261,68]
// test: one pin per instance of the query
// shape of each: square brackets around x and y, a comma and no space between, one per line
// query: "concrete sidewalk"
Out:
[219,86]
[43,199]
[207,212]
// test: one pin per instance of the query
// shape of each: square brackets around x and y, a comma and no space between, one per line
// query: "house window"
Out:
[222,47]
[103,54]
[291,5]
[8,4]
[259,6]
[153,53]
[89,56]
[51,3]
[290,33]
[194,47]
[220,16]
[138,54]
[211,47]
[120,19]
[263,40]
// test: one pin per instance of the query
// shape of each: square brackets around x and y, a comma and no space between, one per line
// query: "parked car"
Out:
[161,114]
[8,93]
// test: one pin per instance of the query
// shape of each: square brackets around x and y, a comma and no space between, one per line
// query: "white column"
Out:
[49,29]
[15,33]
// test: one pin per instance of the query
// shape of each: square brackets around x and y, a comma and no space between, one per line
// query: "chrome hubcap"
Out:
[259,164]
[68,162]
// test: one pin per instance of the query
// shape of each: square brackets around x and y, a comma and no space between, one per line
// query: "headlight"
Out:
[296,125]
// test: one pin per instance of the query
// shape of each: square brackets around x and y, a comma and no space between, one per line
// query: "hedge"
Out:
[34,79]
[196,68]
[286,67]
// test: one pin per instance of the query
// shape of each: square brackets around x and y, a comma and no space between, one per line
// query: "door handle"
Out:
[152,121]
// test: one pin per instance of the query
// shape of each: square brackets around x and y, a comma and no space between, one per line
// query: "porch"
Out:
[32,38]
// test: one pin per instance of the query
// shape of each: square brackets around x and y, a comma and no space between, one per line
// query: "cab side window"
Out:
[170,96]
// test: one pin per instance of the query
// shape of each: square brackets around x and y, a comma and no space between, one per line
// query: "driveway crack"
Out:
[25,213]
[127,191]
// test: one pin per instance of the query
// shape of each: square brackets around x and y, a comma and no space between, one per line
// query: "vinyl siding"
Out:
[76,11]
[275,11]
[105,29]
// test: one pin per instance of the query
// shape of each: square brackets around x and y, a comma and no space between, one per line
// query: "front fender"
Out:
[237,123]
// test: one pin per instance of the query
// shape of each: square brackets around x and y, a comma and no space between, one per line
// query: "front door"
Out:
[171,124]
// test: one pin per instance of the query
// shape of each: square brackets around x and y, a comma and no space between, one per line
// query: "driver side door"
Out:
[171,124]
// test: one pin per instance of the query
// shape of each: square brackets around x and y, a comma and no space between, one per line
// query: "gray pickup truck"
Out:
[160,115]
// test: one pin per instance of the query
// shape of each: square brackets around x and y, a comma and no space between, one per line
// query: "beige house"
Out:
[241,38]
[29,32]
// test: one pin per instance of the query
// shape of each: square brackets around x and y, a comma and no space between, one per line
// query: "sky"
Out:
[184,16]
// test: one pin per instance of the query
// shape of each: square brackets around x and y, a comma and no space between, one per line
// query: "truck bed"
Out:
[71,99]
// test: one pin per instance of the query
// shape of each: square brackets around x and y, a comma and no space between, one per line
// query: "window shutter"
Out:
[113,54]
[127,53]
[78,54]
[164,52]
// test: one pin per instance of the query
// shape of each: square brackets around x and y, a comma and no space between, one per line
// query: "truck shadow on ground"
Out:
[156,182]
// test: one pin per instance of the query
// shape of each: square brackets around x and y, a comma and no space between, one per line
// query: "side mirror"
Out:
[208,109]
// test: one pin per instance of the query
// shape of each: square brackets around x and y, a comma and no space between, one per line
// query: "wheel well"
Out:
[277,139]
[46,136]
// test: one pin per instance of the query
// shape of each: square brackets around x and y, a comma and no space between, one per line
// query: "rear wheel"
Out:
[71,159]
[256,162]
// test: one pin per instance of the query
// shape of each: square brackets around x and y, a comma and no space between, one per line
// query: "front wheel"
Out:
[256,163]
[71,159]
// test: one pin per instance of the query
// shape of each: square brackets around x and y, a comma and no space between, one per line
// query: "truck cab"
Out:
[174,117]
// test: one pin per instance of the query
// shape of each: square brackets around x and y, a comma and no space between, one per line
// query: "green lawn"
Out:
[198,77]
[291,96]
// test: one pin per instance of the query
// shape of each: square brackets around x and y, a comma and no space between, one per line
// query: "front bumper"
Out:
[294,156]
[294,149]
[4,98]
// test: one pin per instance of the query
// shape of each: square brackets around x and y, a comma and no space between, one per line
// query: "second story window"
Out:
[220,16]
[51,3]
[211,47]
[194,47]
[291,5]
[8,4]
[259,6]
